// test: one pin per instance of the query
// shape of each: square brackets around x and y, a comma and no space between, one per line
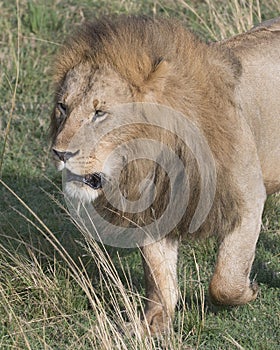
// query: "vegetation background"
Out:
[58,288]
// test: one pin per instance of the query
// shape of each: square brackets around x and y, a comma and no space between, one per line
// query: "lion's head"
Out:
[102,73]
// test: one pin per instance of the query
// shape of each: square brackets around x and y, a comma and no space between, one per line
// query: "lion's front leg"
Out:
[160,269]
[230,284]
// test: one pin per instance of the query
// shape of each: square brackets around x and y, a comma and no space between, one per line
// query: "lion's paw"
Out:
[221,294]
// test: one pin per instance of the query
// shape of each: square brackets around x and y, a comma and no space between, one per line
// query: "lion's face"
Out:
[83,109]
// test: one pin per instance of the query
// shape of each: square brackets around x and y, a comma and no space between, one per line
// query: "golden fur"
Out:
[138,59]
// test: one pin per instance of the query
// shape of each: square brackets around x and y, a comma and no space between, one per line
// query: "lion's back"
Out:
[258,93]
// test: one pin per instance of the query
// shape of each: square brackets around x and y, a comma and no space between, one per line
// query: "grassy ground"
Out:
[58,289]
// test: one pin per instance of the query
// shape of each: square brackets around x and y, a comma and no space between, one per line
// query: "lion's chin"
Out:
[80,191]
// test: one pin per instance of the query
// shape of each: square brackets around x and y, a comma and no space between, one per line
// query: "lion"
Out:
[226,92]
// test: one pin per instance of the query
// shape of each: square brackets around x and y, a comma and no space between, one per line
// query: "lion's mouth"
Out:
[94,180]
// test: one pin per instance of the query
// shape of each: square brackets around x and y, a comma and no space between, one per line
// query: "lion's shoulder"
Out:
[264,38]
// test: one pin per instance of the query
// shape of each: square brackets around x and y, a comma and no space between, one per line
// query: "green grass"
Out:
[58,289]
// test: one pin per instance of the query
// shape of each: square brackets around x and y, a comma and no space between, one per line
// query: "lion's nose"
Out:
[64,156]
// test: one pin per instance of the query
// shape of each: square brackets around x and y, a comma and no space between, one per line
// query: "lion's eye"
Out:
[99,114]
[62,108]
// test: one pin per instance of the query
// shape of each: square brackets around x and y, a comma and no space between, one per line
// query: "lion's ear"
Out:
[155,83]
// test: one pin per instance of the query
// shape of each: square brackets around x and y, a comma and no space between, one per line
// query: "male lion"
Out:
[228,95]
